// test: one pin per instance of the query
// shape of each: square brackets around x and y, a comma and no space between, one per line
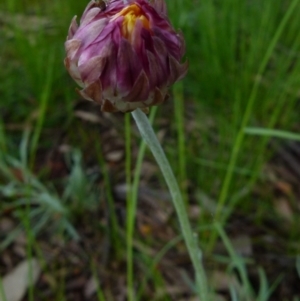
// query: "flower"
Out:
[125,55]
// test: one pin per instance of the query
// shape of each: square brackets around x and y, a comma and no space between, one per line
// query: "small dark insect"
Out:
[101,4]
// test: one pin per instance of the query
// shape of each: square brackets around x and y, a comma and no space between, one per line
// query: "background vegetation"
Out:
[62,172]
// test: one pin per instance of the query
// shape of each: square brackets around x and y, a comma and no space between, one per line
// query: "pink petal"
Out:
[140,90]
[129,66]
[72,47]
[93,92]
[89,16]
[92,69]
[73,28]
[177,70]
[90,32]
[160,6]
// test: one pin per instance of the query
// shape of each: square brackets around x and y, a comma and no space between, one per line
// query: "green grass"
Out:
[242,90]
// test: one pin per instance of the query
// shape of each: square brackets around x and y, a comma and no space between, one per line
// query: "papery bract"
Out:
[125,55]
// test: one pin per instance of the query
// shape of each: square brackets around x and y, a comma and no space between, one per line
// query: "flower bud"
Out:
[125,55]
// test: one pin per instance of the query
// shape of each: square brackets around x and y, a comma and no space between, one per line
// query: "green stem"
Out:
[113,220]
[44,100]
[131,210]
[179,115]
[245,120]
[129,253]
[190,238]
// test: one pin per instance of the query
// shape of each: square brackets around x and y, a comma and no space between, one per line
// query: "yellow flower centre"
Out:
[132,14]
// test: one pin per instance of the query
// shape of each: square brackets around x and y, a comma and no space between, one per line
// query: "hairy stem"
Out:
[190,238]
